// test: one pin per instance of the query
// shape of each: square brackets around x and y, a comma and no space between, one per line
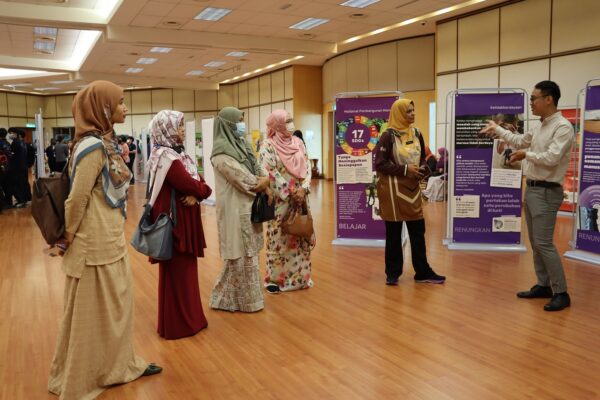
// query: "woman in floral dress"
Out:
[284,157]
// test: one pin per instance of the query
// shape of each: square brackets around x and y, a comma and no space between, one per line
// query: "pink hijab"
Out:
[290,149]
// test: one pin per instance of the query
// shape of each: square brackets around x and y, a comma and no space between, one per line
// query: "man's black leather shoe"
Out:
[536,292]
[559,302]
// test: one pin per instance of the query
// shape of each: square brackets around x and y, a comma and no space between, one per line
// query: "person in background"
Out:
[51,156]
[399,155]
[298,134]
[124,150]
[173,172]
[238,177]
[94,349]
[284,157]
[441,166]
[430,159]
[546,163]
[5,155]
[61,151]
[132,151]
[19,169]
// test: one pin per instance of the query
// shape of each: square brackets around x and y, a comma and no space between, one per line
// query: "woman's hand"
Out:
[189,201]
[298,196]
[270,197]
[414,172]
[263,183]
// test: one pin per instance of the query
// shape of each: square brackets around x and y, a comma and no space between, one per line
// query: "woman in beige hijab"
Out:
[95,344]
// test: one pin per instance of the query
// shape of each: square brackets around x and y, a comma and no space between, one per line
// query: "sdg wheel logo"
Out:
[358,136]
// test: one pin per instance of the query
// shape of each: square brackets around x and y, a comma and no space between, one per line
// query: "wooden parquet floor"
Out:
[349,337]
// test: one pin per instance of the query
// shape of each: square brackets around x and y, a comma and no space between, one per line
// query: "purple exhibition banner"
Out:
[487,189]
[358,124]
[588,237]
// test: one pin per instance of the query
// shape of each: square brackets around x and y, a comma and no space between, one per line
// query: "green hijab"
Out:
[226,141]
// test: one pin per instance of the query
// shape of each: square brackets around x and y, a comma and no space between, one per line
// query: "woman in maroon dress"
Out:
[180,311]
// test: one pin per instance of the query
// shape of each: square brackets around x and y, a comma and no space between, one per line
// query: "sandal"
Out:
[152,369]
[272,288]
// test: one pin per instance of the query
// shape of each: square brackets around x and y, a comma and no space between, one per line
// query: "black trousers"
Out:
[59,165]
[5,194]
[394,258]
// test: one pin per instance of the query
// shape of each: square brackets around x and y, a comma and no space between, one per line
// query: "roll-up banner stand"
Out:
[207,145]
[359,120]
[485,191]
[586,237]
[38,142]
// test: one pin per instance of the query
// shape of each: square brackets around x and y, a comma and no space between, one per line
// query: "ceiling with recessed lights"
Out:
[194,43]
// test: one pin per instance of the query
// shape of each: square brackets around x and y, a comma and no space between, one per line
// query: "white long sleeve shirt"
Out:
[549,148]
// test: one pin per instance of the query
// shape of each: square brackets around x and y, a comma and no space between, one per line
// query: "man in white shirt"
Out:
[546,162]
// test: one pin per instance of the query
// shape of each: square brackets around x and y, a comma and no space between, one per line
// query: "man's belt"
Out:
[544,184]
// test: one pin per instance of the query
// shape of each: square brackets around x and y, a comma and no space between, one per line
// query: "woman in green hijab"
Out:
[238,177]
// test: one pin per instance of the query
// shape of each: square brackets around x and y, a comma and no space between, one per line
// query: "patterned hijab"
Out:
[164,129]
[93,107]
[289,148]
[226,141]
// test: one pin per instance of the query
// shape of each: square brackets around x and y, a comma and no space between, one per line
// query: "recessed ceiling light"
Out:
[44,45]
[172,23]
[212,14]
[309,23]
[307,35]
[160,49]
[41,89]
[44,31]
[195,72]
[145,60]
[358,15]
[60,82]
[134,70]
[358,3]
[237,54]
[214,64]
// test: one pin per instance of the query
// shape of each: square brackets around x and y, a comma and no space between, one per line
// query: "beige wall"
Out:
[518,45]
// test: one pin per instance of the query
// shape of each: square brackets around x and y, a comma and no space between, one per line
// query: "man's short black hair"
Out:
[549,88]
[3,133]
[17,131]
[60,138]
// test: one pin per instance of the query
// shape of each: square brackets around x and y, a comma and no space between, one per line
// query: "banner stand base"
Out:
[209,202]
[505,248]
[446,242]
[359,242]
[583,256]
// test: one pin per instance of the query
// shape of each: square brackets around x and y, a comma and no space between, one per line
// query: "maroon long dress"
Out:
[180,311]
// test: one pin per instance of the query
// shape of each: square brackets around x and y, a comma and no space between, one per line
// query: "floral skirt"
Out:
[290,270]
[238,287]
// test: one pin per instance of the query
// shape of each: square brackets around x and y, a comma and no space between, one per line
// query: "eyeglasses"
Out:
[534,98]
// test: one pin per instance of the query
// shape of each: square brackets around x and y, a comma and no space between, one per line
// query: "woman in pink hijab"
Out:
[285,159]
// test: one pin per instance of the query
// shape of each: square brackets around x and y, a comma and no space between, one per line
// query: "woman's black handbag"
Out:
[261,210]
[156,239]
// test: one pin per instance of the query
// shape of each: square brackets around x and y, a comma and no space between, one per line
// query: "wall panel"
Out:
[162,99]
[206,100]
[183,100]
[524,75]
[357,63]
[478,39]
[339,80]
[253,88]
[383,72]
[446,45]
[444,85]
[253,119]
[34,103]
[416,64]
[575,24]
[278,85]
[480,78]
[572,73]
[520,35]
[3,104]
[289,82]
[16,105]
[243,95]
[141,102]
[264,111]
[225,96]
[64,106]
[264,83]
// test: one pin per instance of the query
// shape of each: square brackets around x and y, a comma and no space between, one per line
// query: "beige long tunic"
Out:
[94,347]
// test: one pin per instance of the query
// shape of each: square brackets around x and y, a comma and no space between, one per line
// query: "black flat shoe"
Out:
[391,281]
[536,292]
[559,301]
[152,369]
[272,288]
